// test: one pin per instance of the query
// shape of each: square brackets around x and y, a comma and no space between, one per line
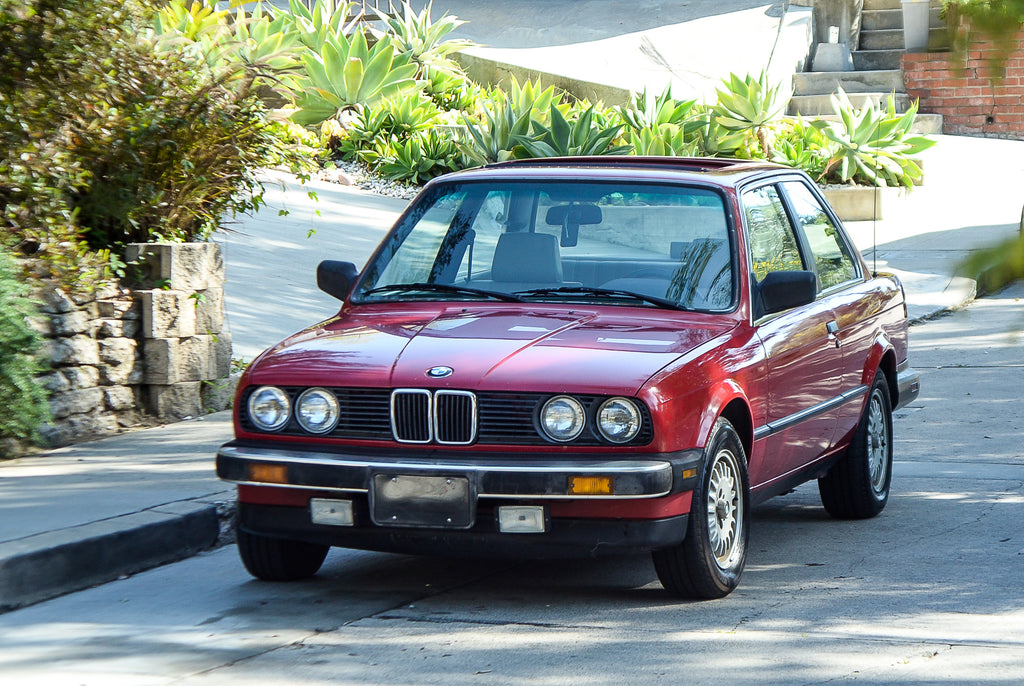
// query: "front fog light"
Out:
[562,418]
[521,519]
[618,420]
[269,408]
[317,410]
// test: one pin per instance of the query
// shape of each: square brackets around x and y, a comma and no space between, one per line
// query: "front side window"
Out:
[642,244]
[831,254]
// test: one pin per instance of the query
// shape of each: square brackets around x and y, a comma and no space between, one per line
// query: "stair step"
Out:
[924,124]
[882,5]
[816,105]
[886,39]
[872,60]
[875,20]
[825,82]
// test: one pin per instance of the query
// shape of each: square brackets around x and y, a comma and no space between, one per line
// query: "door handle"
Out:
[833,328]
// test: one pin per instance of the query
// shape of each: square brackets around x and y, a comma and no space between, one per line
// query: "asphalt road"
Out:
[930,592]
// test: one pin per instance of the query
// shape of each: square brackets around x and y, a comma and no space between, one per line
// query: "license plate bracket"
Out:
[431,502]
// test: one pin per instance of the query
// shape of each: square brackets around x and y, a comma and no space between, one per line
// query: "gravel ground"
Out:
[359,176]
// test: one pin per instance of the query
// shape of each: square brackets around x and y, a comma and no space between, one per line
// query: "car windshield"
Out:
[669,246]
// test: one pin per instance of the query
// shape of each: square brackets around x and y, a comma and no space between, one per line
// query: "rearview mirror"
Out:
[336,278]
[784,290]
[570,217]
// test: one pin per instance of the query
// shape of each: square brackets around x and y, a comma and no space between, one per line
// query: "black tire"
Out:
[277,559]
[857,487]
[706,564]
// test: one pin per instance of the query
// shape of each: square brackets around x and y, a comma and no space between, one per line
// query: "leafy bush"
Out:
[119,126]
[23,400]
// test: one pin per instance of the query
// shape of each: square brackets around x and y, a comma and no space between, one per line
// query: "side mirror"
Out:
[784,290]
[336,278]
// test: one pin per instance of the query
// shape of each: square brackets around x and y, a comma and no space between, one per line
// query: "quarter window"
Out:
[773,245]
[831,254]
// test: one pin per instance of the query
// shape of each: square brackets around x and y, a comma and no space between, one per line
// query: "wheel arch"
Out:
[738,413]
[883,358]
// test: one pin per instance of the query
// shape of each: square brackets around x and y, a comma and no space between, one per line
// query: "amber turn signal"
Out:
[268,473]
[591,485]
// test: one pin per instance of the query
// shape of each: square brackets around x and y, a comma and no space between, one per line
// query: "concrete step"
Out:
[817,105]
[882,39]
[876,20]
[882,5]
[924,124]
[872,60]
[824,82]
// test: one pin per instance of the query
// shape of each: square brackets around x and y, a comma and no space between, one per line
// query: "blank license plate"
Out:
[434,502]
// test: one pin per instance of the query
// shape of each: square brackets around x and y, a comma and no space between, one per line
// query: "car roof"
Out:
[713,170]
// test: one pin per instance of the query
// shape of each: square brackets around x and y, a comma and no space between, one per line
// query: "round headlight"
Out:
[618,420]
[317,410]
[269,408]
[562,418]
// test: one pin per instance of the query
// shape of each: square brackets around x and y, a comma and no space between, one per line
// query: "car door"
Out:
[804,365]
[839,274]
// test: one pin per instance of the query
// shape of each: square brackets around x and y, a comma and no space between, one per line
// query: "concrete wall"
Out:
[965,95]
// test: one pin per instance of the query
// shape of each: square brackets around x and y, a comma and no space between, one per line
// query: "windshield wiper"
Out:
[441,288]
[611,292]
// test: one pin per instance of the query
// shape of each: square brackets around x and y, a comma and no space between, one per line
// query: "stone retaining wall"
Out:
[121,357]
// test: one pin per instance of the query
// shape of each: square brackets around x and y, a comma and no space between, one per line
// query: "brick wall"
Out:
[970,103]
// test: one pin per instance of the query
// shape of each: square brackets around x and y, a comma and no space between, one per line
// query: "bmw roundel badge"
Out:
[439,372]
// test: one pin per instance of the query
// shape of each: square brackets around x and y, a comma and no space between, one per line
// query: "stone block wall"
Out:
[120,357]
[96,370]
[969,101]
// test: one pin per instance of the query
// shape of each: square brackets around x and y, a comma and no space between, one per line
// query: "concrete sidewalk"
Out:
[87,514]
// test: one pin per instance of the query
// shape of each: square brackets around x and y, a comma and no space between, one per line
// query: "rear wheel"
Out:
[709,561]
[277,559]
[857,487]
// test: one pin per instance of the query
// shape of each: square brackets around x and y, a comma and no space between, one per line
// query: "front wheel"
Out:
[277,559]
[857,487]
[709,561]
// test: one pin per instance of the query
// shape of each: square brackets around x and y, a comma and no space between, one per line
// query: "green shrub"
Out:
[23,400]
[114,133]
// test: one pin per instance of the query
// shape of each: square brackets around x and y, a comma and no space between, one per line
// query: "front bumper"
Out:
[908,385]
[491,475]
[647,509]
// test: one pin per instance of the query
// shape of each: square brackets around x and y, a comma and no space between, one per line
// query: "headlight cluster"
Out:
[316,410]
[563,418]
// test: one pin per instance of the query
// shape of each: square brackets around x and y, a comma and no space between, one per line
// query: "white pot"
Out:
[916,20]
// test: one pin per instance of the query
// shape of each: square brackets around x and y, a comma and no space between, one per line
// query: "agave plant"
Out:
[493,139]
[873,146]
[804,146]
[648,111]
[349,74]
[240,49]
[749,105]
[711,138]
[665,140]
[581,136]
[410,114]
[421,158]
[322,20]
[423,38]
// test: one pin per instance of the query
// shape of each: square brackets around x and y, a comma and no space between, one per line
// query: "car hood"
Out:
[507,347]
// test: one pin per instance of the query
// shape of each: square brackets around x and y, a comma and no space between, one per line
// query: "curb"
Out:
[50,564]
